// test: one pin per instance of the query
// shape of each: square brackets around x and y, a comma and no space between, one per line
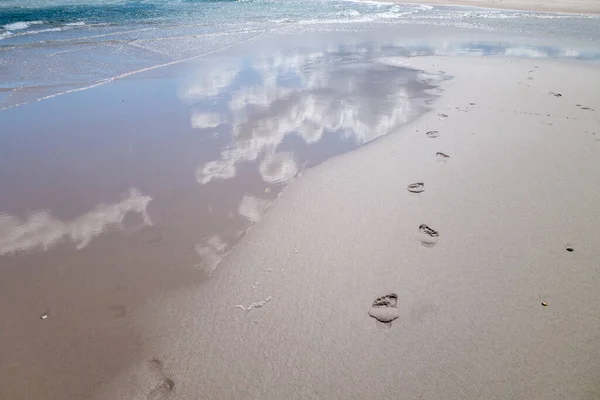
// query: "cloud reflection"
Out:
[278,168]
[211,252]
[306,95]
[202,120]
[252,208]
[220,169]
[41,230]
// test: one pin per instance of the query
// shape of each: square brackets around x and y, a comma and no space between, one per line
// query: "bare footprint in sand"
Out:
[429,237]
[117,311]
[418,187]
[384,309]
[164,387]
[432,134]
[162,391]
[442,156]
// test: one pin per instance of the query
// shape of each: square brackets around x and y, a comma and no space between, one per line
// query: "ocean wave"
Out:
[22,32]
[349,13]
[17,26]
[371,2]
[32,4]
[424,7]
[8,34]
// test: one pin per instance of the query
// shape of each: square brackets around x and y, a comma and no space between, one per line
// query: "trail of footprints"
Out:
[385,308]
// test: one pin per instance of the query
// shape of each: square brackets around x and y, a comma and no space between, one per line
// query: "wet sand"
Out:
[495,297]
[107,206]
[562,6]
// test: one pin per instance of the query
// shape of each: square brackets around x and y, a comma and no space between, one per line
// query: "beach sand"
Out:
[563,6]
[501,304]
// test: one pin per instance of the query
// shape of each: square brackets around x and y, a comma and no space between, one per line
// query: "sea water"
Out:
[53,47]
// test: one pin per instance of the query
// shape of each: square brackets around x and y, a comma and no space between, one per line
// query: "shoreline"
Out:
[588,7]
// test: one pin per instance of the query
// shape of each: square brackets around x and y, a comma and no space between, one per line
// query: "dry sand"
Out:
[566,6]
[520,186]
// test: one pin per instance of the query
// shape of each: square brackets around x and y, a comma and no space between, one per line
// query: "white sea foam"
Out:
[424,7]
[16,26]
[7,34]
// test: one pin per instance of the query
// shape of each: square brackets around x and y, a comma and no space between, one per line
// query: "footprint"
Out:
[166,385]
[418,187]
[117,311]
[441,115]
[432,134]
[429,237]
[442,156]
[584,108]
[384,309]
[556,94]
[162,391]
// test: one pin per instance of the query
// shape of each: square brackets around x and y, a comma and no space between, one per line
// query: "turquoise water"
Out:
[50,47]
[18,18]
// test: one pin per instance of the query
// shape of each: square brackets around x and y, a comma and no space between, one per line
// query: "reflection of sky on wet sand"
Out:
[42,230]
[305,96]
[457,47]
[277,115]
[264,118]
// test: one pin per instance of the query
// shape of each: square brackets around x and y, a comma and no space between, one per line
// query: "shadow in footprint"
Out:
[442,156]
[429,236]
[418,187]
[385,309]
